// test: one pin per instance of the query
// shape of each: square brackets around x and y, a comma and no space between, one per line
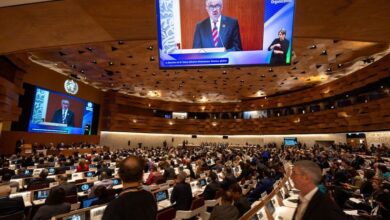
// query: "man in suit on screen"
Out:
[64,115]
[217,30]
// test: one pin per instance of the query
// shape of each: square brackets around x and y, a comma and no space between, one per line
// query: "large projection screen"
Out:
[206,33]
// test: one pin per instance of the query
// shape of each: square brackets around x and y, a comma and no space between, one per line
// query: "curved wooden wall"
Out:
[11,80]
[369,116]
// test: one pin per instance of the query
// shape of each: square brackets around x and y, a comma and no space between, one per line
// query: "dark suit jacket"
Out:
[10,206]
[210,190]
[182,195]
[69,119]
[69,188]
[321,207]
[229,34]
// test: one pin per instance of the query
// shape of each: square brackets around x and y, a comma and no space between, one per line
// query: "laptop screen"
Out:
[162,195]
[41,194]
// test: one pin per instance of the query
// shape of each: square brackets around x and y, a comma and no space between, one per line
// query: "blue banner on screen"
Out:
[55,112]
[224,32]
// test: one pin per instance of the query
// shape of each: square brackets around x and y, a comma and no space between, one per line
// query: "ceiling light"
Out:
[170,123]
[313,46]
[134,120]
[150,47]
[214,123]
[203,99]
[323,53]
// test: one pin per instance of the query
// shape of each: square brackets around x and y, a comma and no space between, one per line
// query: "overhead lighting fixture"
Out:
[203,99]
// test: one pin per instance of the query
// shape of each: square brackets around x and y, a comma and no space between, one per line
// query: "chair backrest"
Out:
[167,214]
[80,181]
[16,216]
[197,203]
[38,186]
[71,199]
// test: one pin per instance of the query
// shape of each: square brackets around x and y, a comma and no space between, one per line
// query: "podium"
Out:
[26,149]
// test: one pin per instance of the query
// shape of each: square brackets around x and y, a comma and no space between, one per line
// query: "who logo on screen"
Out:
[71,86]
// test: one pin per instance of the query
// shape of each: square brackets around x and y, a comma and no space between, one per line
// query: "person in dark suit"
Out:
[41,180]
[313,204]
[70,189]
[64,115]
[9,206]
[54,205]
[279,48]
[217,30]
[181,193]
[225,211]
[212,188]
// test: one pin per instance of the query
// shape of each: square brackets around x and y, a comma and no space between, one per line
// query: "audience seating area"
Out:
[250,168]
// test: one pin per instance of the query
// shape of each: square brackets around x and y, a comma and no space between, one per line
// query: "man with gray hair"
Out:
[217,30]
[313,204]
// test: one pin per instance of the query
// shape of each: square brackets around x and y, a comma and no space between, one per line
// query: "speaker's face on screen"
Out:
[214,8]
[65,104]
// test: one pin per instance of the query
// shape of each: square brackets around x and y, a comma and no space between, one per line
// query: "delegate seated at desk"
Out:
[9,206]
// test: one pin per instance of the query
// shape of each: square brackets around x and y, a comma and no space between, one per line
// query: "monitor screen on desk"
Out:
[162,195]
[271,207]
[78,216]
[202,182]
[88,202]
[28,172]
[116,181]
[84,187]
[41,194]
[51,170]
[89,174]
[228,33]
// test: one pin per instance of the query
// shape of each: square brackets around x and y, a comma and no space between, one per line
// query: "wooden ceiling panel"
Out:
[69,22]
[131,67]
